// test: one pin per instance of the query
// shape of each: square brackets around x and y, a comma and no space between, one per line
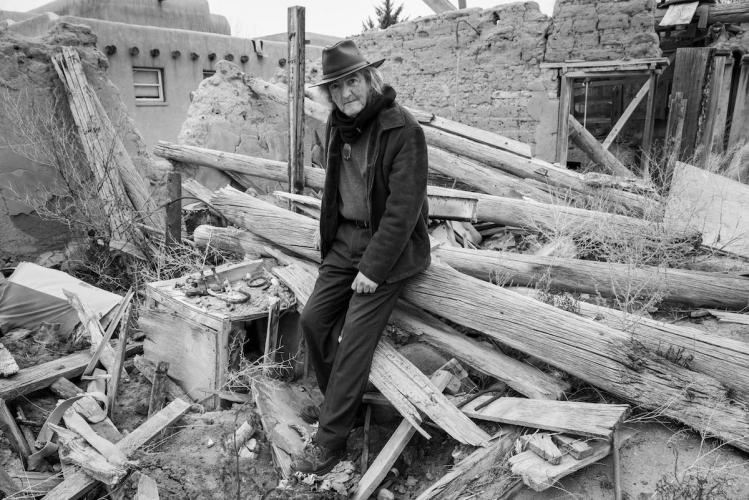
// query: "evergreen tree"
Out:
[387,15]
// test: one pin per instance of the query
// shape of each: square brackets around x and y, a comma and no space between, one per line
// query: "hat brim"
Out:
[331,78]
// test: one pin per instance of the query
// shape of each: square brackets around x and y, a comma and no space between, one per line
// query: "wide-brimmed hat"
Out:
[342,59]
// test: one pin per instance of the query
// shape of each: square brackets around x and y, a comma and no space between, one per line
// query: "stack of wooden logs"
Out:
[683,373]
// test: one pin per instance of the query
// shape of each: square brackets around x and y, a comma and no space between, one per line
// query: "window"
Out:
[148,84]
[207,73]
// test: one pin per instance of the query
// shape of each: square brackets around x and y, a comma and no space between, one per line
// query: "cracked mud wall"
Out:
[30,87]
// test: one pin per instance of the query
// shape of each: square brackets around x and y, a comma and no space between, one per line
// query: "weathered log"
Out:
[600,355]
[725,359]
[605,278]
[591,147]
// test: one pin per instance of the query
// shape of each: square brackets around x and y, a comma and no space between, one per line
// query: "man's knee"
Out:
[307,321]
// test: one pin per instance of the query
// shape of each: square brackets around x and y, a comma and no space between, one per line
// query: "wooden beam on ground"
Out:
[440,6]
[35,484]
[476,467]
[77,424]
[714,205]
[598,354]
[581,419]
[295,78]
[393,448]
[40,376]
[600,155]
[626,114]
[676,286]
[79,483]
[75,450]
[576,447]
[13,433]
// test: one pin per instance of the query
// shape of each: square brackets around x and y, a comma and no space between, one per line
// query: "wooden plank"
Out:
[440,6]
[295,78]
[675,129]
[657,61]
[8,365]
[188,347]
[35,484]
[79,482]
[40,376]
[541,444]
[577,448]
[709,125]
[475,467]
[581,419]
[91,324]
[565,103]
[8,486]
[590,146]
[628,111]
[690,73]
[739,121]
[729,317]
[540,475]
[109,332]
[716,206]
[173,230]
[77,424]
[114,382]
[647,134]
[158,390]
[74,450]
[13,433]
[374,475]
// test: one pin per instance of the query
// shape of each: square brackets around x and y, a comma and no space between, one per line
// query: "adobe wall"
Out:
[30,87]
[490,76]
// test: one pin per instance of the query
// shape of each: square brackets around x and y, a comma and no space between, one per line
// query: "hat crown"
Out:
[341,58]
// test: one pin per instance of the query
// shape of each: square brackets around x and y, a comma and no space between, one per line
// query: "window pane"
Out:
[146,76]
[147,92]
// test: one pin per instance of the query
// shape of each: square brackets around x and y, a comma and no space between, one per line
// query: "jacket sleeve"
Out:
[407,184]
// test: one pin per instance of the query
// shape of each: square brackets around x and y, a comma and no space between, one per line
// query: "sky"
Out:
[255,18]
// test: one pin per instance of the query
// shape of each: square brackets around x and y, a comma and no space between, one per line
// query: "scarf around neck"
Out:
[351,128]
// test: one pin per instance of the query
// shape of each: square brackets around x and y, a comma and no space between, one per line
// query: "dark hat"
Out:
[342,59]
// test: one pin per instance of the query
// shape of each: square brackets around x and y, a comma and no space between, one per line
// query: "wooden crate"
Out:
[192,334]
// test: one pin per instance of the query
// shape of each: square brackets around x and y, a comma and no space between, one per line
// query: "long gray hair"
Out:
[371,75]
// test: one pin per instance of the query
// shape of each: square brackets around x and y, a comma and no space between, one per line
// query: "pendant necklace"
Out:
[347,151]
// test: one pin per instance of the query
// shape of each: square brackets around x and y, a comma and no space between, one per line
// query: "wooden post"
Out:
[563,126]
[174,209]
[461,4]
[615,445]
[114,382]
[647,134]
[716,88]
[271,337]
[295,78]
[675,128]
[739,123]
[158,390]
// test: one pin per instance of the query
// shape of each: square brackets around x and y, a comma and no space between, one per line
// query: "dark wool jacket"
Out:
[396,198]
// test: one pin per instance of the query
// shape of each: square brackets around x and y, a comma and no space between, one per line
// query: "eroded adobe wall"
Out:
[31,103]
[602,30]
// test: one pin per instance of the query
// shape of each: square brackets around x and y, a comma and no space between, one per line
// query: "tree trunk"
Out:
[604,357]
[595,151]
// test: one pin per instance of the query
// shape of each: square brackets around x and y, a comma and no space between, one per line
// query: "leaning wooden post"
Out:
[295,79]
[174,209]
[271,337]
[647,134]
[158,389]
[563,126]
[114,382]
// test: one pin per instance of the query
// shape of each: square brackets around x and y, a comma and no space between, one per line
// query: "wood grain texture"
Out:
[595,151]
[78,483]
[541,444]
[576,447]
[582,419]
[96,333]
[714,205]
[690,73]
[678,286]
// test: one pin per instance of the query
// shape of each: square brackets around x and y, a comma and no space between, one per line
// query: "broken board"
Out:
[716,206]
[584,419]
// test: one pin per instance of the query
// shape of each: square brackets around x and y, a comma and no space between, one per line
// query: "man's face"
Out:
[350,94]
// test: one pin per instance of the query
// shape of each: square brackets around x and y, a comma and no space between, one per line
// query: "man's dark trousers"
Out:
[334,311]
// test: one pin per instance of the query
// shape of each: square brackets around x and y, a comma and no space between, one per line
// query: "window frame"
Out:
[160,85]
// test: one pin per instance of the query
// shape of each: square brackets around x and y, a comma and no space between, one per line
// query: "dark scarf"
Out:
[351,128]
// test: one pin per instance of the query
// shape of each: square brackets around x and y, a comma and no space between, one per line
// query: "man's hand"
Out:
[362,284]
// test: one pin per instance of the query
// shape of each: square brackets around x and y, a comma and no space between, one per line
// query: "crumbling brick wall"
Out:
[602,30]
[476,66]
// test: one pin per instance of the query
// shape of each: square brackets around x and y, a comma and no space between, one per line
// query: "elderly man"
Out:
[373,236]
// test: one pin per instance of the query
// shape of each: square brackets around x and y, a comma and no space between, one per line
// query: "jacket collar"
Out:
[391,117]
